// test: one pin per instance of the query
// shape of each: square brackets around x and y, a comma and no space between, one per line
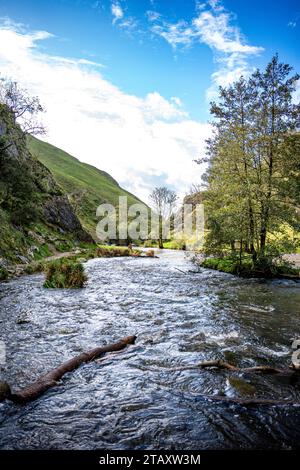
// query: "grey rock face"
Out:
[58,211]
[52,203]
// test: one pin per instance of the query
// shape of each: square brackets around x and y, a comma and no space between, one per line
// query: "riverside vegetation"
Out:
[252,184]
[48,198]
[251,187]
[68,272]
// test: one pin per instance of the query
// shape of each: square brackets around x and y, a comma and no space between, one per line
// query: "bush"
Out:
[65,245]
[24,214]
[3,274]
[35,267]
[42,252]
[150,244]
[107,251]
[175,245]
[226,265]
[65,274]
[263,267]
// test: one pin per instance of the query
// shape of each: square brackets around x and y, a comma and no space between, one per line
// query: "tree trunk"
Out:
[43,383]
[263,236]
[252,233]
[160,240]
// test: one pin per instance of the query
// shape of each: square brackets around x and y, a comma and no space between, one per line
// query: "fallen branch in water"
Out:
[254,370]
[218,364]
[46,381]
[181,270]
[250,401]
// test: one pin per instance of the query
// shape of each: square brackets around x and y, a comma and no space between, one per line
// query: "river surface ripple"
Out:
[133,399]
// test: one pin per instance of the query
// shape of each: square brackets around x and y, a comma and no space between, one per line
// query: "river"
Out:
[134,399]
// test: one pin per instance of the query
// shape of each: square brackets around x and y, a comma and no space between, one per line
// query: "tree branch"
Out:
[50,379]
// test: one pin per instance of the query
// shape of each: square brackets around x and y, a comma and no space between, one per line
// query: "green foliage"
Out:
[65,274]
[164,201]
[246,267]
[42,252]
[3,274]
[150,244]
[25,214]
[86,186]
[175,245]
[18,190]
[64,245]
[107,251]
[12,242]
[253,178]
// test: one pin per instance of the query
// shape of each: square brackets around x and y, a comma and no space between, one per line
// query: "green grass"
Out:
[12,242]
[42,252]
[175,245]
[65,274]
[150,244]
[263,268]
[93,186]
[3,274]
[107,251]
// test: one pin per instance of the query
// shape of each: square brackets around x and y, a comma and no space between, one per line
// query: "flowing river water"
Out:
[134,399]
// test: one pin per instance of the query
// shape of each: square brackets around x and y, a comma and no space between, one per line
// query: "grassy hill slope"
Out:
[86,186]
[36,217]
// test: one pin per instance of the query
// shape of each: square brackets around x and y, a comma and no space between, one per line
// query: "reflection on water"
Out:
[134,399]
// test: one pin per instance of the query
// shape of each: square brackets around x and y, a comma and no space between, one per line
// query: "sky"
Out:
[126,84]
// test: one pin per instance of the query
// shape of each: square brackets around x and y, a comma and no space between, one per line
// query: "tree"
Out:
[18,117]
[23,108]
[254,159]
[164,201]
[276,119]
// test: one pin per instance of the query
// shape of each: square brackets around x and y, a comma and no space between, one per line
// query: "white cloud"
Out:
[157,107]
[128,24]
[215,31]
[142,142]
[216,5]
[117,12]
[214,27]
[296,94]
[175,34]
[152,15]
[176,101]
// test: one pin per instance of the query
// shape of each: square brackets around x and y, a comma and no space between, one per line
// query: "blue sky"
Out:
[159,60]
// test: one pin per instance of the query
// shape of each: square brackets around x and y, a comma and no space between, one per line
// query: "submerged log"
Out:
[46,381]
[254,370]
[250,401]
[218,364]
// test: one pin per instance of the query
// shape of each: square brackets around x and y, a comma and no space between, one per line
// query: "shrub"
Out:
[35,267]
[24,214]
[108,251]
[62,246]
[42,252]
[263,267]
[3,274]
[65,274]
[150,244]
[175,245]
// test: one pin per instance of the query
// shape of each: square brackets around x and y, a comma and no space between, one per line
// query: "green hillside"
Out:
[86,186]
